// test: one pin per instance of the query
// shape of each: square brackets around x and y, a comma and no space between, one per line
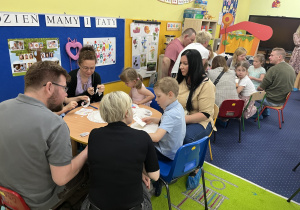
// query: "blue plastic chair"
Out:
[188,158]
[154,104]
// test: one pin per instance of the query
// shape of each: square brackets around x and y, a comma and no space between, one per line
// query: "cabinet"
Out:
[202,24]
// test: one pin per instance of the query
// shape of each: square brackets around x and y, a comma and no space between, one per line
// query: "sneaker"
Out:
[158,188]
[295,89]
[266,112]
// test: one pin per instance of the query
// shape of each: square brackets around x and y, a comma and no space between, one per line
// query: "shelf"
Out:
[197,24]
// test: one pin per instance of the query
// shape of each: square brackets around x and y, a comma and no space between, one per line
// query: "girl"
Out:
[257,72]
[245,88]
[238,56]
[212,54]
[138,92]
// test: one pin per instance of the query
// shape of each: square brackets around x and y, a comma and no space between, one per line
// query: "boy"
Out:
[171,131]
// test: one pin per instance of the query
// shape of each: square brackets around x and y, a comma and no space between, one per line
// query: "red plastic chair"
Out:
[12,200]
[278,108]
[232,109]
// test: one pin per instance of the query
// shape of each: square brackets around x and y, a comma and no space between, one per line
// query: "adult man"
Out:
[279,79]
[35,152]
[202,41]
[174,48]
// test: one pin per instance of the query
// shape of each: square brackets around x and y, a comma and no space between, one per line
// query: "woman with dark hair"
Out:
[85,81]
[196,95]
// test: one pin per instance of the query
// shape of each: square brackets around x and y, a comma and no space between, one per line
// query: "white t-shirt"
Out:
[248,86]
[193,46]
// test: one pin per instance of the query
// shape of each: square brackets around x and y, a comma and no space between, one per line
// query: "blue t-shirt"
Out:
[172,121]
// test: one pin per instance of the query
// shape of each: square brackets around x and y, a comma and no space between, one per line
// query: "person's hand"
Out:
[147,120]
[146,180]
[82,98]
[90,90]
[136,102]
[101,88]
[71,105]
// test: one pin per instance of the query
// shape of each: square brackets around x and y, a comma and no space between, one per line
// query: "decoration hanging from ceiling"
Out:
[177,2]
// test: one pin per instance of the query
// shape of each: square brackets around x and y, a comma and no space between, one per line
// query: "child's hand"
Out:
[71,105]
[147,120]
[82,98]
[136,102]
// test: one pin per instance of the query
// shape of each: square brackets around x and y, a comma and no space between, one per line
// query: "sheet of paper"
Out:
[150,128]
[84,111]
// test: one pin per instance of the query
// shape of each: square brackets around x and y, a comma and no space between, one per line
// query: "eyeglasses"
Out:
[65,87]
[85,68]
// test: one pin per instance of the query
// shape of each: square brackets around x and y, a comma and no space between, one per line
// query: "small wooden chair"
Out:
[278,108]
[232,109]
[12,200]
[257,96]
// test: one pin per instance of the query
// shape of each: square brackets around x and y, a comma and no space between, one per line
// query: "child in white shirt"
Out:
[245,88]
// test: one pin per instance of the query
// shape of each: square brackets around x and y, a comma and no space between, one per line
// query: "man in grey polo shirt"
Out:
[35,152]
[278,81]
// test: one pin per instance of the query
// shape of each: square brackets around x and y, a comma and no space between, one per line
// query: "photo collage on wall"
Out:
[105,49]
[24,52]
[145,39]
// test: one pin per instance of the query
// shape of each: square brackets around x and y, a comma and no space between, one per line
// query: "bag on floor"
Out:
[193,181]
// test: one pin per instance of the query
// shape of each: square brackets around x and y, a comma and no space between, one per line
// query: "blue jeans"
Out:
[268,103]
[195,132]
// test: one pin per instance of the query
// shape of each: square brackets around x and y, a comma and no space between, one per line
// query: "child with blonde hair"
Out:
[238,56]
[138,92]
[245,88]
[257,72]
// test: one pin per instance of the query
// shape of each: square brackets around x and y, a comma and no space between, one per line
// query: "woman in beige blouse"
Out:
[196,95]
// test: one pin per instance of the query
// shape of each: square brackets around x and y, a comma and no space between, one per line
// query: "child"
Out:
[171,130]
[238,56]
[257,72]
[212,54]
[245,88]
[138,92]
[71,103]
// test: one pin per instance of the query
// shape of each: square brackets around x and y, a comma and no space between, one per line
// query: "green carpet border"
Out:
[251,182]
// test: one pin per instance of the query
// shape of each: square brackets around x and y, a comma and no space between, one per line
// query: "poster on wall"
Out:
[145,38]
[24,52]
[229,6]
[105,49]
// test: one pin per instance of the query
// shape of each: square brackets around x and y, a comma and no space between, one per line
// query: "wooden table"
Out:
[79,124]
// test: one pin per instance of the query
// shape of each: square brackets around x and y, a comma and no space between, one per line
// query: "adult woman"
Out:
[295,59]
[238,56]
[85,81]
[116,156]
[196,95]
[226,87]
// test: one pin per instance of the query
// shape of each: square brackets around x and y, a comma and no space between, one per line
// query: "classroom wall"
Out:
[288,8]
[133,9]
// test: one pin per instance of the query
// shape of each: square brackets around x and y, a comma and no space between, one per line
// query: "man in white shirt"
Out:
[202,41]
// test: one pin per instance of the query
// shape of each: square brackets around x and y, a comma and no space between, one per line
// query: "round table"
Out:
[79,124]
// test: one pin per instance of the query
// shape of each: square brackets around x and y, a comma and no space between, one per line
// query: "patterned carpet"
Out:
[265,156]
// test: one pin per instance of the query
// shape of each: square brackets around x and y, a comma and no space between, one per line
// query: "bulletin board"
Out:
[11,85]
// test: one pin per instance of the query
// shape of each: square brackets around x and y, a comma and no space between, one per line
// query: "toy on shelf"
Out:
[208,16]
